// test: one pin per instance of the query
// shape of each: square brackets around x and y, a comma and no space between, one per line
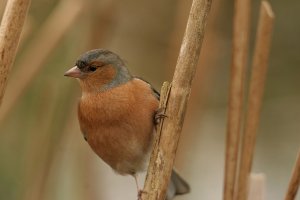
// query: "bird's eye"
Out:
[92,68]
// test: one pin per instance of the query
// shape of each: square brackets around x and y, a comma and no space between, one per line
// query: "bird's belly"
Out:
[121,147]
[118,125]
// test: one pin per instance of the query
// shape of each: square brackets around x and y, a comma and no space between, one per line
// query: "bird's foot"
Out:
[140,192]
[159,114]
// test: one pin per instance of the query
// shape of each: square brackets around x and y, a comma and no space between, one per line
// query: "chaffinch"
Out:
[116,114]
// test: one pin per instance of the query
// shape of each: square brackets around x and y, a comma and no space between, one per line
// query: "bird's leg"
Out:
[139,191]
[159,114]
[136,182]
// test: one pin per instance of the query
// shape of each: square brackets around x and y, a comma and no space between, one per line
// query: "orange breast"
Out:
[118,124]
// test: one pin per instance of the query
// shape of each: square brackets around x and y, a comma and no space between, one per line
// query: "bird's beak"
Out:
[73,72]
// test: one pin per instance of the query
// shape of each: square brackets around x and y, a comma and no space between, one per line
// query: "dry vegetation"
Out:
[42,153]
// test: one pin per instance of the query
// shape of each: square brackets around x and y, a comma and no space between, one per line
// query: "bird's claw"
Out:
[140,192]
[159,114]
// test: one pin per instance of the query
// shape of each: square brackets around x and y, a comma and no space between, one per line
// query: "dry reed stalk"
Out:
[166,141]
[48,37]
[257,186]
[207,60]
[176,35]
[241,24]
[294,182]
[257,84]
[207,68]
[10,32]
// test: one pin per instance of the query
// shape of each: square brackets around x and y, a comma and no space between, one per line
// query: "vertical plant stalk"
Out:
[166,141]
[45,41]
[257,187]
[294,182]
[10,32]
[257,84]
[241,24]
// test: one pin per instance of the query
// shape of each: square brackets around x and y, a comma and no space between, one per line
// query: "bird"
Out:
[117,115]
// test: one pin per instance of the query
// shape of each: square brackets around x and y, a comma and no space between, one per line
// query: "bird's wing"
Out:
[155,92]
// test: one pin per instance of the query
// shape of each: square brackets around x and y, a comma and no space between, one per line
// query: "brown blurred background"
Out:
[42,152]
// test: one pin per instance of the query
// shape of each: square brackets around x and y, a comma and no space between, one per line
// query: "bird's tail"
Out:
[177,186]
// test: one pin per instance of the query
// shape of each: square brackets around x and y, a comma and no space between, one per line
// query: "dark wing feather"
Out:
[155,92]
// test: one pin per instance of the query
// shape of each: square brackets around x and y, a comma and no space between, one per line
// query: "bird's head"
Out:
[99,70]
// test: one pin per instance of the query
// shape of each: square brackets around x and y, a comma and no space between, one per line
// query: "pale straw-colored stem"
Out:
[240,46]
[10,32]
[294,182]
[166,141]
[257,85]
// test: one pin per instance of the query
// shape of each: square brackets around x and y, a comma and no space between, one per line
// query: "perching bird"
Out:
[116,114]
